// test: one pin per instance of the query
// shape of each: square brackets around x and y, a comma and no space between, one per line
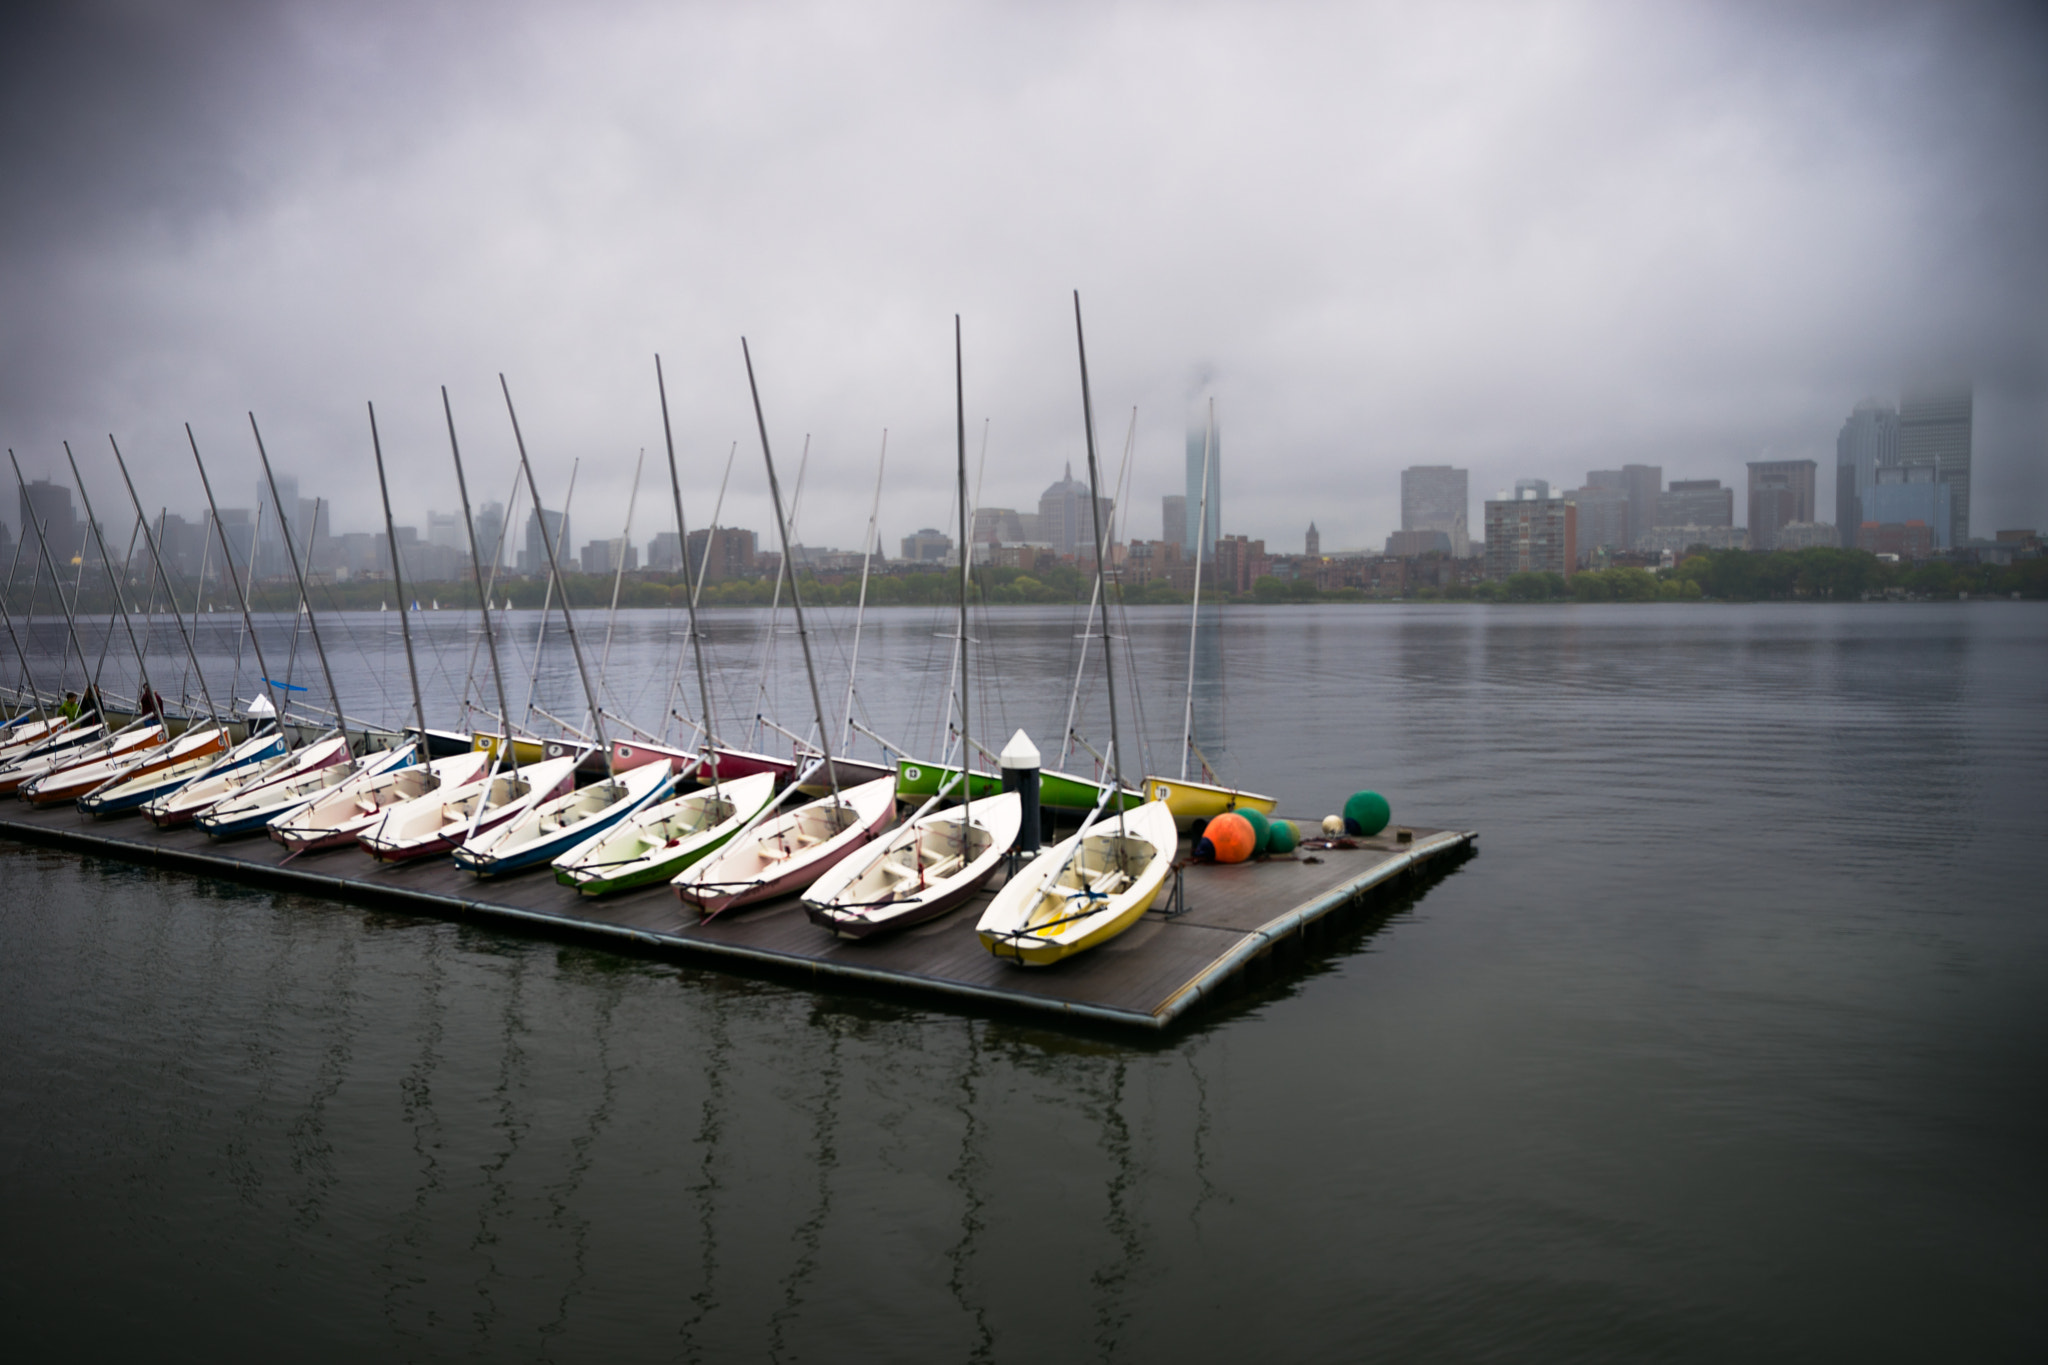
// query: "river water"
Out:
[1731,1043]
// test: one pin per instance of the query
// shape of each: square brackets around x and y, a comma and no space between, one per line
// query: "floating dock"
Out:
[1225,918]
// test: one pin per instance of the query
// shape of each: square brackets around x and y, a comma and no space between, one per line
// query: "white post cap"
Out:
[1020,753]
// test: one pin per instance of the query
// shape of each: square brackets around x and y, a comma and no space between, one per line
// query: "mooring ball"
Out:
[1231,836]
[1366,814]
[1262,829]
[1196,827]
[1284,837]
[1333,824]
[1205,852]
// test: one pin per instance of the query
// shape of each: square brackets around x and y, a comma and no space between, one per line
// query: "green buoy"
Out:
[1262,829]
[1366,814]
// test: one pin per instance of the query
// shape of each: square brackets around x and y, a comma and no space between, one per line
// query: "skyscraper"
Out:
[271,560]
[1642,483]
[1934,429]
[490,532]
[47,506]
[1869,441]
[1780,491]
[1312,543]
[1173,518]
[533,559]
[1068,520]
[1203,437]
[1434,498]
[1696,502]
[1603,515]
[1531,535]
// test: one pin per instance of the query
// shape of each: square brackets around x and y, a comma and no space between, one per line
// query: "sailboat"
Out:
[1189,800]
[927,867]
[659,842]
[249,811]
[334,819]
[23,774]
[552,828]
[186,803]
[199,744]
[1083,891]
[438,821]
[1097,883]
[782,856]
[939,858]
[134,789]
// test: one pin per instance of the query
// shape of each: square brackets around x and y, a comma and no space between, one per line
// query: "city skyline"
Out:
[1608,505]
[1558,273]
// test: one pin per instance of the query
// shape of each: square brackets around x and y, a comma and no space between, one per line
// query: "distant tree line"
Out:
[1724,575]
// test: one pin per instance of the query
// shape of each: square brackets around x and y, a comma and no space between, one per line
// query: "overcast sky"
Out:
[1528,239]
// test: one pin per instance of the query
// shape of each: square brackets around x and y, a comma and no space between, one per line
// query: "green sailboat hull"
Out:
[1057,791]
[666,870]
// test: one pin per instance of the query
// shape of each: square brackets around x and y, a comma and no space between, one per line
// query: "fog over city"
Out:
[1527,239]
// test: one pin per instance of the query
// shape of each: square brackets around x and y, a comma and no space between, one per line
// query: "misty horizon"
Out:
[1528,242]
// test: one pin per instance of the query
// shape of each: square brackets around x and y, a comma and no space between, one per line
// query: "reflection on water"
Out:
[1716,1050]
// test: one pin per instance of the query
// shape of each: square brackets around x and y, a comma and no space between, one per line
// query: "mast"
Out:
[555,572]
[867,555]
[1094,600]
[120,603]
[604,660]
[99,666]
[796,599]
[675,485]
[241,596]
[291,549]
[966,580]
[483,592]
[27,674]
[547,601]
[57,582]
[419,705]
[1116,749]
[1187,730]
[156,558]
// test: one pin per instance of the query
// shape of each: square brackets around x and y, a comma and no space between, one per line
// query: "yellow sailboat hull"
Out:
[524,751]
[1036,922]
[1192,801]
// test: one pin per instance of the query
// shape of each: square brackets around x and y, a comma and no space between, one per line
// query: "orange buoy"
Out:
[1230,839]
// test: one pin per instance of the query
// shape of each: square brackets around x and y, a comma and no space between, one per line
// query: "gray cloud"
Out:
[1528,239]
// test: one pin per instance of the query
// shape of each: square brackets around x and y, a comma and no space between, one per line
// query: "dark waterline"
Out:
[1731,1042]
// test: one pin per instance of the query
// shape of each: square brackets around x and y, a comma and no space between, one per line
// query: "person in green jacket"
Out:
[70,706]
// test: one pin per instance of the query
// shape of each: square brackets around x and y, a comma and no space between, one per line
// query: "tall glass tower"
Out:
[1934,429]
[1201,436]
[1869,441]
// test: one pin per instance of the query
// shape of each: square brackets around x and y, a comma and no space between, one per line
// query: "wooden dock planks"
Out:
[1148,976]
